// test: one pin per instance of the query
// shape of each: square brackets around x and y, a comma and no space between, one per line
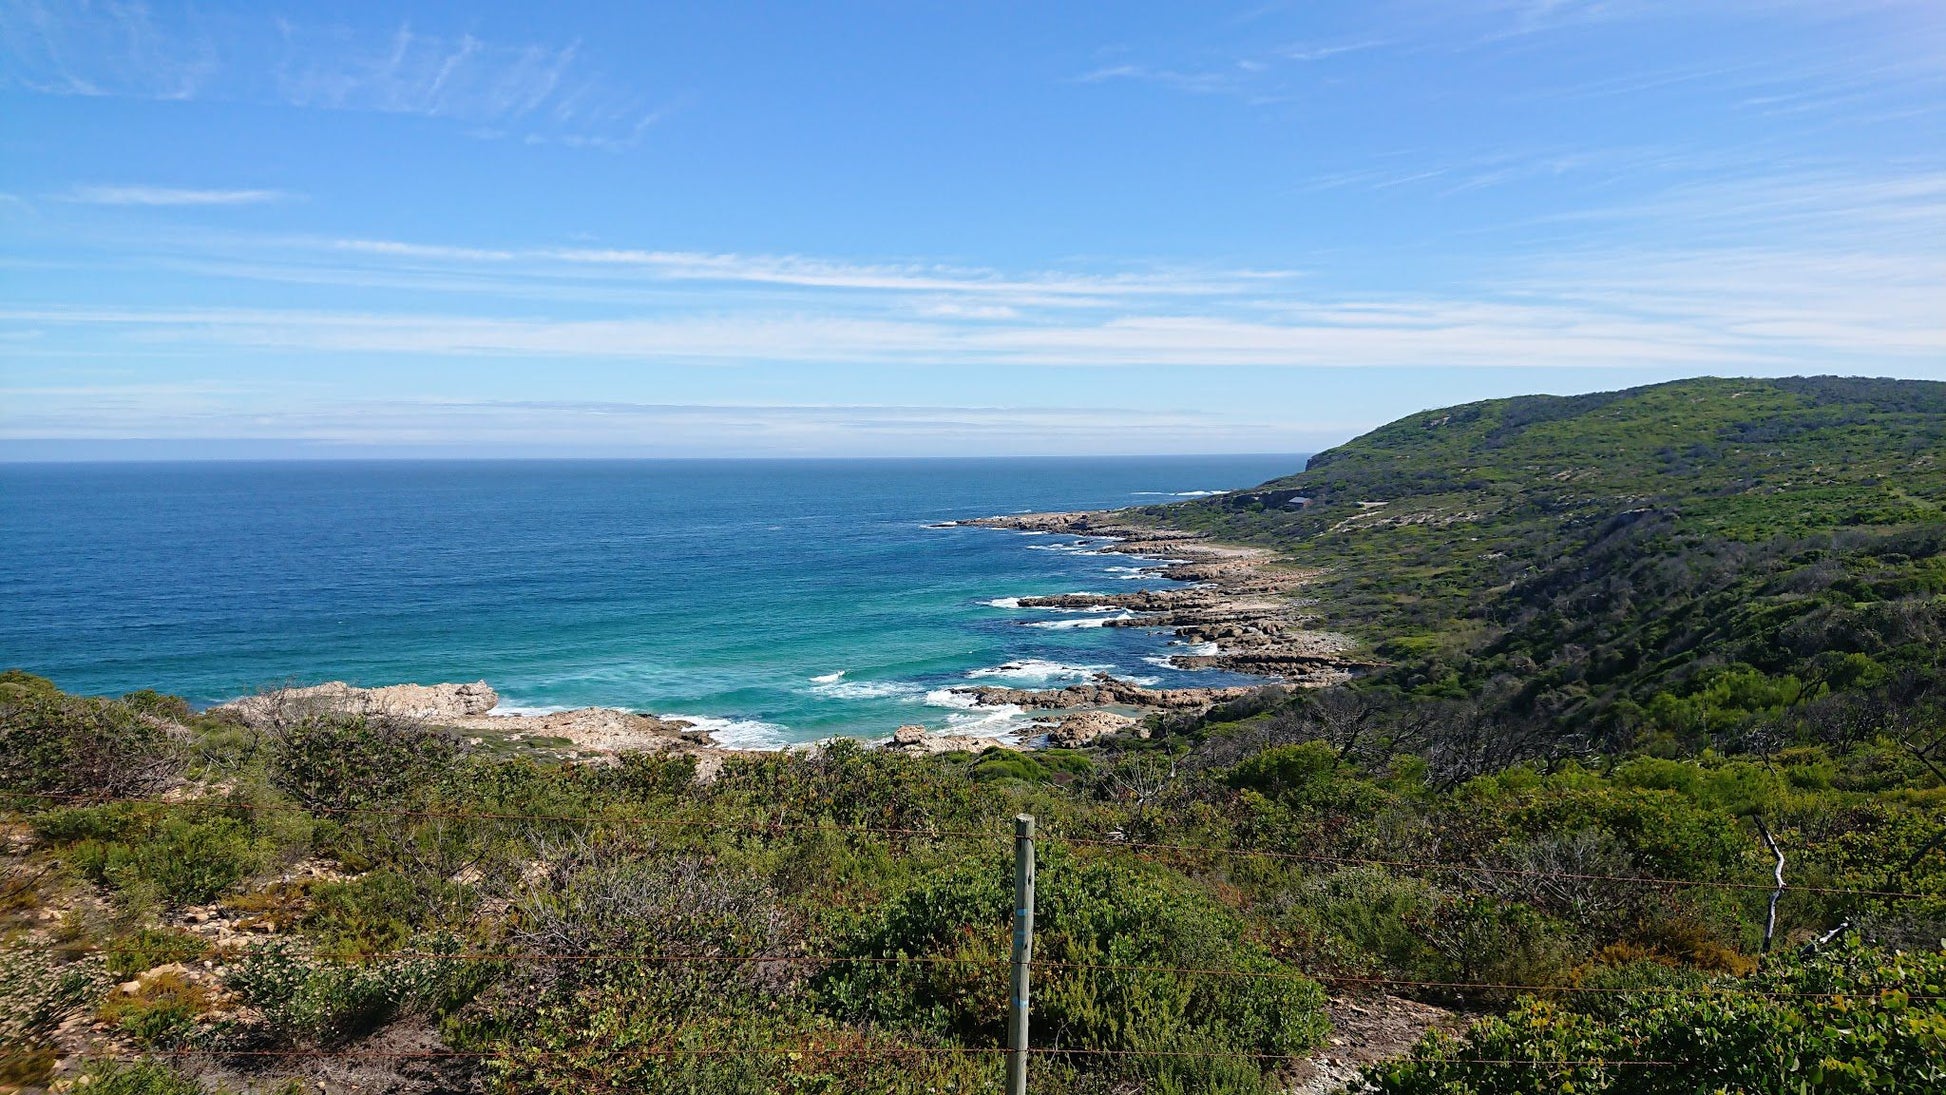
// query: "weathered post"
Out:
[1023,953]
[1770,921]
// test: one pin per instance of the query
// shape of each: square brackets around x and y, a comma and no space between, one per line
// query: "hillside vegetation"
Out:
[1656,568]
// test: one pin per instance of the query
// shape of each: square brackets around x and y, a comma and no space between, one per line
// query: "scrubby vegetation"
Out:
[1636,648]
[1650,569]
[751,932]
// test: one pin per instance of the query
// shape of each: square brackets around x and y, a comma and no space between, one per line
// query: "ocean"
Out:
[775,601]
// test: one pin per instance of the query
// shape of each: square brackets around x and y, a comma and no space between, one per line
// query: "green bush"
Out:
[1288,771]
[345,762]
[57,744]
[162,1011]
[173,859]
[375,912]
[1873,1034]
[312,1001]
[139,1078]
[149,947]
[38,992]
[1089,913]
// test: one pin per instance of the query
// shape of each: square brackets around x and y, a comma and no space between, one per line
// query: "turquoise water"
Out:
[780,601]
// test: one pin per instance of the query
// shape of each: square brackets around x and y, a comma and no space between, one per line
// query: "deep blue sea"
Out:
[778,601]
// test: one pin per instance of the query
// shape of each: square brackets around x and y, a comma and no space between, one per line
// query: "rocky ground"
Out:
[1367,1029]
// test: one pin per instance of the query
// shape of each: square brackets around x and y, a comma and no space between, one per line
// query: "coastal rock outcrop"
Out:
[407,701]
[469,707]
[1083,727]
[1104,691]
[919,741]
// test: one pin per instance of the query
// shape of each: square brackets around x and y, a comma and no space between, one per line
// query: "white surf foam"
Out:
[1091,621]
[868,690]
[1002,602]
[1078,547]
[1198,650]
[946,697]
[739,733]
[1037,669]
[829,678]
[988,722]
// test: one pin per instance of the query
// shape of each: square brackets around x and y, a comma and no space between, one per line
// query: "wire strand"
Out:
[1187,851]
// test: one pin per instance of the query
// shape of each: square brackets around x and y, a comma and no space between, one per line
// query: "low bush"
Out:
[56,744]
[1854,1020]
[162,1010]
[312,1001]
[1090,913]
[343,762]
[38,992]
[140,1078]
[149,947]
[171,858]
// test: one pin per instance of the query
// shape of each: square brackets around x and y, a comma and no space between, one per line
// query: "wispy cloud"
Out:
[539,93]
[1316,51]
[98,49]
[1808,271]
[169,195]
[1600,324]
[1232,78]
[400,249]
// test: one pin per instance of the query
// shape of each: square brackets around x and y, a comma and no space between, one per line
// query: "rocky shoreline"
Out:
[1241,603]
[1241,611]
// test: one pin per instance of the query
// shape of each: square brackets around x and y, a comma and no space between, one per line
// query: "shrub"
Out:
[163,1009]
[174,859]
[1089,913]
[344,762]
[312,1001]
[1881,1029]
[147,948]
[139,1078]
[70,745]
[1486,941]
[1288,771]
[38,993]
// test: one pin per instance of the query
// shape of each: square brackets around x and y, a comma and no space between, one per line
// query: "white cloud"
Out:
[536,92]
[169,195]
[398,249]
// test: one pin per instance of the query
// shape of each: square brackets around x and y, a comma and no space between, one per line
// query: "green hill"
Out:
[1648,566]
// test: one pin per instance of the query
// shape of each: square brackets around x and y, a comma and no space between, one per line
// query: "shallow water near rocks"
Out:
[775,601]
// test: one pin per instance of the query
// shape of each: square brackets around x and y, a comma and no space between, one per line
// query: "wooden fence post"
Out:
[1023,954]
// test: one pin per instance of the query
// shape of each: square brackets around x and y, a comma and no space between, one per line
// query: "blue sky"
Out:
[906,228]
